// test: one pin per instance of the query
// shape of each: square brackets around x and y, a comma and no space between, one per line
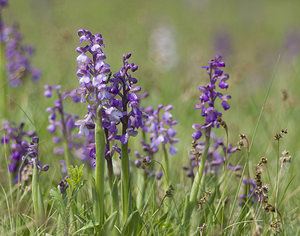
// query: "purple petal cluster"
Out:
[209,95]
[115,97]
[3,3]
[160,131]
[251,196]
[215,157]
[62,124]
[14,137]
[31,155]
[93,73]
[124,104]
[18,65]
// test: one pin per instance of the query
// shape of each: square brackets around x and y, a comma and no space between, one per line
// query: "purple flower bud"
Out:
[25,144]
[45,168]
[134,68]
[35,139]
[128,55]
[56,139]
[90,125]
[225,105]
[159,175]
[5,140]
[197,135]
[138,163]
[173,150]
[48,93]
[51,128]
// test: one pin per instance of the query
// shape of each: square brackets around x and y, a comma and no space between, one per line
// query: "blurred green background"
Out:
[170,40]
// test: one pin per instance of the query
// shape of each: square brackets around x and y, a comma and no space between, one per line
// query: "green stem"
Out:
[65,134]
[190,202]
[67,153]
[277,177]
[198,177]
[141,189]
[38,204]
[3,81]
[126,191]
[99,169]
[167,201]
[110,167]
[166,167]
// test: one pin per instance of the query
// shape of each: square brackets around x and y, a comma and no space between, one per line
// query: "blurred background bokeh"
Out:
[170,40]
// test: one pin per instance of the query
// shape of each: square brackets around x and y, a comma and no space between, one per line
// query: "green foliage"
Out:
[64,203]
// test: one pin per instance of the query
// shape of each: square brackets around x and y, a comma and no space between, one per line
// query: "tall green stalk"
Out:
[142,176]
[167,201]
[108,158]
[191,201]
[3,81]
[125,175]
[38,204]
[126,191]
[198,177]
[166,167]
[65,135]
[99,170]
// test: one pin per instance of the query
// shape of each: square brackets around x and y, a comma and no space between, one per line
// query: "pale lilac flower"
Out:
[18,57]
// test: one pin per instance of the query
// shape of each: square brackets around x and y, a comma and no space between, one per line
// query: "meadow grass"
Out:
[261,71]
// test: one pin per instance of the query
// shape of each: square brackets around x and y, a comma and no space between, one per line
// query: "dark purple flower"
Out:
[16,137]
[63,185]
[209,95]
[31,155]
[251,196]
[3,3]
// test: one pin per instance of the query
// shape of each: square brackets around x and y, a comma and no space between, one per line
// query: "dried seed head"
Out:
[284,160]
[258,231]
[275,226]
[284,131]
[243,142]
[277,137]
[240,143]
[201,229]
[170,191]
[263,160]
[280,135]
[284,95]
[263,193]
[285,153]
[204,199]
[222,123]
[268,207]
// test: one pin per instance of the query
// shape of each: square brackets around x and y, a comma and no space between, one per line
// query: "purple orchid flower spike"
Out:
[17,56]
[16,137]
[63,126]
[161,132]
[209,96]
